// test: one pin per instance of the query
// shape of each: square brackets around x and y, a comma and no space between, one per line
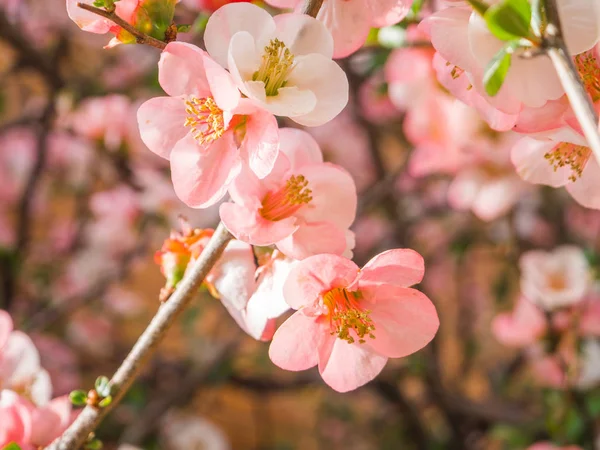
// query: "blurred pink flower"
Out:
[350,21]
[551,446]
[350,321]
[92,333]
[521,327]
[304,205]
[555,279]
[204,127]
[282,63]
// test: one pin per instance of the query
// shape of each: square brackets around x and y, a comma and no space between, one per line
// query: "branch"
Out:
[312,7]
[554,45]
[140,37]
[75,436]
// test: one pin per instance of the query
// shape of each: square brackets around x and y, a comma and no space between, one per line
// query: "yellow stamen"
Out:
[276,66]
[286,201]
[566,154]
[589,70]
[205,119]
[345,314]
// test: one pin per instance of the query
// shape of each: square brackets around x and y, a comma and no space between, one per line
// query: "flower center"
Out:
[589,70]
[286,201]
[205,119]
[345,314]
[566,154]
[557,282]
[276,66]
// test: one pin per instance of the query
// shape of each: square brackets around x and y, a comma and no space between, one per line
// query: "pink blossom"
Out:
[304,205]
[375,103]
[521,327]
[17,156]
[29,426]
[181,432]
[555,279]
[350,321]
[88,21]
[350,21]
[92,333]
[560,158]
[20,368]
[283,64]
[551,446]
[464,40]
[110,119]
[210,5]
[204,128]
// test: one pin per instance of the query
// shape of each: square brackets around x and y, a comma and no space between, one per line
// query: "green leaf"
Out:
[11,446]
[496,71]
[184,28]
[105,401]
[102,386]
[78,397]
[94,444]
[510,19]
[479,6]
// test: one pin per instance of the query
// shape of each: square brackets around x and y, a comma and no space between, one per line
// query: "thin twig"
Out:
[312,7]
[554,45]
[75,436]
[140,37]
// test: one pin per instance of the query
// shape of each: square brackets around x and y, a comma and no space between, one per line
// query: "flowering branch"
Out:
[140,37]
[581,103]
[312,7]
[75,436]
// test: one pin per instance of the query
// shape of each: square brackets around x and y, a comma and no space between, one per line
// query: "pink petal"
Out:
[586,190]
[329,84]
[315,275]
[249,226]
[398,267]
[349,366]
[313,239]
[181,70]
[261,142]
[161,122]
[405,320]
[333,195]
[49,422]
[222,86]
[6,327]
[87,20]
[201,175]
[388,12]
[300,147]
[348,23]
[528,157]
[522,327]
[304,35]
[294,345]
[580,24]
[230,19]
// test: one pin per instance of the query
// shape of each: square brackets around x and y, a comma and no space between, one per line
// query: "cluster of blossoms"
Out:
[30,417]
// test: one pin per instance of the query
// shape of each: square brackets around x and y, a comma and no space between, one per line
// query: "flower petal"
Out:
[528,157]
[401,267]
[586,190]
[304,35]
[230,19]
[348,23]
[294,345]
[181,70]
[405,320]
[201,175]
[313,239]
[261,142]
[161,121]
[300,147]
[328,83]
[315,275]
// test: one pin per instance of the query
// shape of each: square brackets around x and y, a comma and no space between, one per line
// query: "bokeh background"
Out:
[84,206]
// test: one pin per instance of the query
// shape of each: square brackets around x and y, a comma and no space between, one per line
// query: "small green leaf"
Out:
[11,446]
[184,28]
[94,444]
[105,401]
[78,397]
[102,386]
[496,71]
[479,6]
[509,19]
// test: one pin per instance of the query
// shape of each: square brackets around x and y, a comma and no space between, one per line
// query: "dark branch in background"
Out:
[140,37]
[75,436]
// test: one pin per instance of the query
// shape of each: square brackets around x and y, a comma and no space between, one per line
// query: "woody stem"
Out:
[76,435]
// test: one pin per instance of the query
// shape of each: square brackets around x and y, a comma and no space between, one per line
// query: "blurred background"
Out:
[84,206]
